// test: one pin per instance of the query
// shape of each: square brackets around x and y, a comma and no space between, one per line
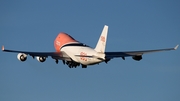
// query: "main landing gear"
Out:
[71,64]
[84,66]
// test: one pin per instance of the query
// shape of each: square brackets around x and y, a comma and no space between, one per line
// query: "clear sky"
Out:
[32,25]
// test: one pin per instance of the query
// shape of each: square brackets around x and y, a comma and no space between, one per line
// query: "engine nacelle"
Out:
[41,59]
[137,58]
[22,57]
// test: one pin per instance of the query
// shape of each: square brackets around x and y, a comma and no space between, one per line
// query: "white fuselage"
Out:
[83,54]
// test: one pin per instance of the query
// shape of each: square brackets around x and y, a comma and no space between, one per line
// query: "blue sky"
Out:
[133,25]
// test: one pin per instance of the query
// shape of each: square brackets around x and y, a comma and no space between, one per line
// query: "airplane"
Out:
[74,53]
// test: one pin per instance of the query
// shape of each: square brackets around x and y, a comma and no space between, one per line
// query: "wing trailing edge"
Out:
[136,53]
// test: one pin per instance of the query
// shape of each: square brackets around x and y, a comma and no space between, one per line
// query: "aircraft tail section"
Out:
[101,45]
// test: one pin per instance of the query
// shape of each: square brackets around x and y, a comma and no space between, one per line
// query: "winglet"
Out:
[2,48]
[176,47]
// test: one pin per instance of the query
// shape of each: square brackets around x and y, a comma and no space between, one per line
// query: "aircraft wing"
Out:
[135,53]
[55,55]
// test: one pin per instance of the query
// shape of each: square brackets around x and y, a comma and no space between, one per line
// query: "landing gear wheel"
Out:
[84,66]
[56,61]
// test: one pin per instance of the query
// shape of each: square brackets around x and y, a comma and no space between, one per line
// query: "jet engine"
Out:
[41,59]
[22,57]
[137,57]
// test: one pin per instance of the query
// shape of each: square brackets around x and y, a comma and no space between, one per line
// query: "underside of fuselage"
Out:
[80,54]
[73,64]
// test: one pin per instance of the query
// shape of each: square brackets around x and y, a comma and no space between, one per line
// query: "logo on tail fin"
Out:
[103,38]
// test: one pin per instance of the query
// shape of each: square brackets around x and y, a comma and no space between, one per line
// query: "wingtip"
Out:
[2,48]
[106,25]
[176,47]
